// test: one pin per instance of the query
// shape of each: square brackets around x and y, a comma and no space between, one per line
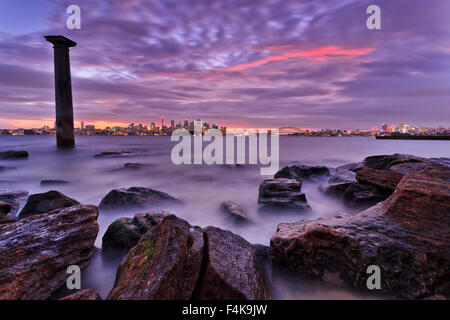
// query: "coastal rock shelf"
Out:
[405,235]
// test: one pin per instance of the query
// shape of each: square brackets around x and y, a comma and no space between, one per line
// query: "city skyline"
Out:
[265,64]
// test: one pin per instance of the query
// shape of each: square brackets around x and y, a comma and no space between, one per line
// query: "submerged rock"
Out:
[234,211]
[36,251]
[84,294]
[50,182]
[282,194]
[383,179]
[136,197]
[299,172]
[176,261]
[44,202]
[12,155]
[406,236]
[107,154]
[124,233]
[133,165]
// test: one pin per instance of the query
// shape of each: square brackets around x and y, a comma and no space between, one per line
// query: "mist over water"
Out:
[202,188]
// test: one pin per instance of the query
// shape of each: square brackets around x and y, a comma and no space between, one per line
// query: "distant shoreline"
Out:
[413,137]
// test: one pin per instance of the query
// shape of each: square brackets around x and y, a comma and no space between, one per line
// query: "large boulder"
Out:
[299,172]
[335,189]
[231,270]
[276,194]
[136,197]
[44,202]
[84,294]
[124,233]
[12,155]
[176,261]
[164,265]
[36,251]
[234,212]
[383,179]
[406,236]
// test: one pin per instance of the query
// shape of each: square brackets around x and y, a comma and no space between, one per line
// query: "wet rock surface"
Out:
[407,236]
[137,197]
[36,251]
[44,202]
[276,194]
[383,179]
[124,233]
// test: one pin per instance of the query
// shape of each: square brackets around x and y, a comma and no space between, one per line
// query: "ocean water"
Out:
[201,187]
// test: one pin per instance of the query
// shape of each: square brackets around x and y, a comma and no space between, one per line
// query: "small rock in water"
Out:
[11,155]
[276,194]
[113,154]
[136,197]
[234,211]
[49,182]
[133,165]
[45,202]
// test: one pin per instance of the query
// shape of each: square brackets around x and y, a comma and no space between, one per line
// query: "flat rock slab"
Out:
[279,194]
[36,251]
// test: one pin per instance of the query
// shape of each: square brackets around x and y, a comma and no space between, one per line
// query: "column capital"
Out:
[61,41]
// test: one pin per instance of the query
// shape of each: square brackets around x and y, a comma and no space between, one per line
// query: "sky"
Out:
[238,63]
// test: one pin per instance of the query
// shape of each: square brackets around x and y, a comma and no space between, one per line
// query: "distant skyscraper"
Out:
[82,125]
[162,122]
[186,124]
[172,124]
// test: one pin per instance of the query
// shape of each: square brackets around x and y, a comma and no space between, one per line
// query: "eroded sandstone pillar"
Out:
[63,91]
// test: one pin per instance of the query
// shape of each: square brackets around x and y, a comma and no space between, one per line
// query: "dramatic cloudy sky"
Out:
[249,63]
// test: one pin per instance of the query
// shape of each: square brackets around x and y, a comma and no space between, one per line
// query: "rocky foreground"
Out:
[404,228]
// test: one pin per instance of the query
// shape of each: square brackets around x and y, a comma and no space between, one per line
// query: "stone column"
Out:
[63,91]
